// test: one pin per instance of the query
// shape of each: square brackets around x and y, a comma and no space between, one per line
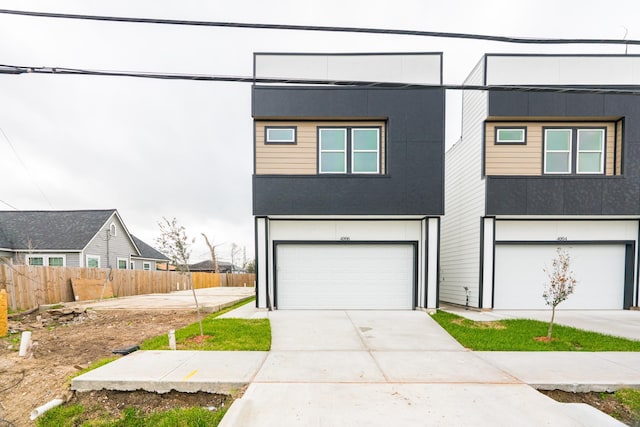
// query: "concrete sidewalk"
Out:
[363,368]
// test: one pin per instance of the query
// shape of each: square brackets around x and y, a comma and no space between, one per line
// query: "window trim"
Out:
[498,141]
[377,151]
[349,150]
[344,150]
[145,264]
[573,150]
[87,257]
[602,150]
[45,259]
[126,263]
[269,141]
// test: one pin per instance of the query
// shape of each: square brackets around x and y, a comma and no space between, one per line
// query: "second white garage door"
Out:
[345,276]
[599,269]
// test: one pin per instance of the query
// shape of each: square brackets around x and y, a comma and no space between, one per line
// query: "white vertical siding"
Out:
[261,258]
[432,269]
[464,201]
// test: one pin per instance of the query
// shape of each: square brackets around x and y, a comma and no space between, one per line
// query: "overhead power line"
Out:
[15,69]
[501,39]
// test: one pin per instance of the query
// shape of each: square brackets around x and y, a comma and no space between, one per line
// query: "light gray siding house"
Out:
[79,238]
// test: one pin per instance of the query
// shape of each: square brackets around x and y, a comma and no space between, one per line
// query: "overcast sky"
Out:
[154,148]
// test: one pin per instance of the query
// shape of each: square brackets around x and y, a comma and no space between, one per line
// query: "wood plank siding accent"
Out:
[301,158]
[526,159]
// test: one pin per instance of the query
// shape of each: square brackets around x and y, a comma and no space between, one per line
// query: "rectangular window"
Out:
[93,261]
[353,150]
[365,148]
[574,151]
[557,151]
[146,266]
[122,263]
[280,135]
[56,261]
[333,150]
[590,151]
[36,260]
[508,135]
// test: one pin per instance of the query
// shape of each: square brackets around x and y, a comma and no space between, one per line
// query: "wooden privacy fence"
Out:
[30,286]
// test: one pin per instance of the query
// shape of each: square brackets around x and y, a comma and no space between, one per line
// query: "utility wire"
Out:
[25,168]
[598,89]
[502,39]
[8,204]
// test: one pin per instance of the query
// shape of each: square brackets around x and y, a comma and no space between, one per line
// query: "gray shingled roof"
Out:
[54,230]
[147,251]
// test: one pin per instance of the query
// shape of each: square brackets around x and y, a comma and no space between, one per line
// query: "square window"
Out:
[93,261]
[511,135]
[122,264]
[146,266]
[280,135]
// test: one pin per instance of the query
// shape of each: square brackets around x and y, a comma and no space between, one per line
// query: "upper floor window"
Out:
[280,135]
[574,150]
[349,150]
[112,229]
[511,135]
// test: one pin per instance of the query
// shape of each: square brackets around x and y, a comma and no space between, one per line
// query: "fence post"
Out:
[4,314]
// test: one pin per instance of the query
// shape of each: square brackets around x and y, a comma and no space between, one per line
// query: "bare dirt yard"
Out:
[64,343]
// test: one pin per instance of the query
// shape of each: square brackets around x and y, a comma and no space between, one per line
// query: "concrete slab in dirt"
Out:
[209,299]
[313,405]
[569,371]
[186,371]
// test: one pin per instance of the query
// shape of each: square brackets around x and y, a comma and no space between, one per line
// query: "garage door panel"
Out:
[520,279]
[345,276]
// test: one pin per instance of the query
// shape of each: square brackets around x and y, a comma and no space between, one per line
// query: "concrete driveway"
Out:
[382,368]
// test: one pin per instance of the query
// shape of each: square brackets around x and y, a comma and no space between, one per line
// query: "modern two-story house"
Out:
[549,158]
[348,180]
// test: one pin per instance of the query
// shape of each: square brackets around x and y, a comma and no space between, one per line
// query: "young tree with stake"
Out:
[560,283]
[174,243]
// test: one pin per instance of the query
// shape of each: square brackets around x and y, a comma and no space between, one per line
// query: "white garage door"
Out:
[599,269]
[345,276]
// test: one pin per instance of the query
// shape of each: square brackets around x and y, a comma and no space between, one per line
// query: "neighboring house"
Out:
[541,169]
[81,238]
[348,181]
[207,267]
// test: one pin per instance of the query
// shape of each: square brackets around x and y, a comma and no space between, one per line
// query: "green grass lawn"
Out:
[73,415]
[219,334]
[520,335]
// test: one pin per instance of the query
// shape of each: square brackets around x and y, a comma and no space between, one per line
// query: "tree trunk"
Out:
[553,316]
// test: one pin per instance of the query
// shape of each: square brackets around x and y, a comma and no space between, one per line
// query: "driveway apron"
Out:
[382,368]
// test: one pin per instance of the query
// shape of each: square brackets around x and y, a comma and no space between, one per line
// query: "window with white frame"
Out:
[590,157]
[122,263]
[112,229]
[46,260]
[93,261]
[511,135]
[280,135]
[574,151]
[146,266]
[353,150]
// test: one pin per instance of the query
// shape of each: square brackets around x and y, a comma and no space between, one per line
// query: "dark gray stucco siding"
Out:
[574,195]
[414,179]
